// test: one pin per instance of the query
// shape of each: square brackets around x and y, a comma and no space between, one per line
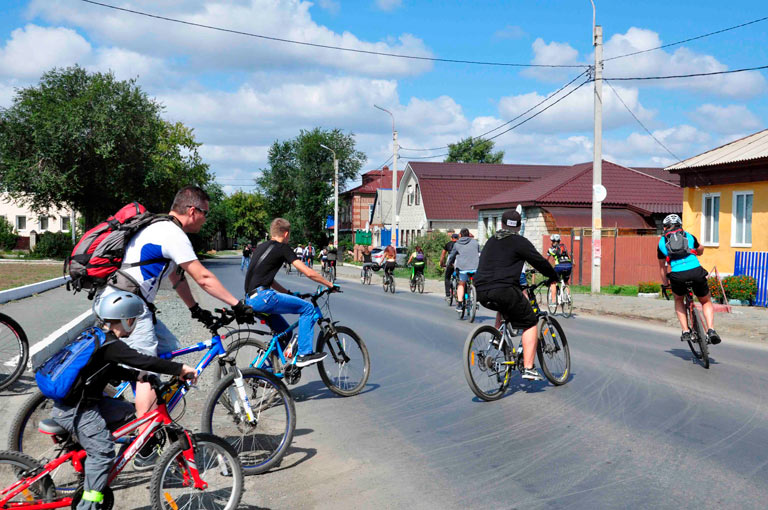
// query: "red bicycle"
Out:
[197,471]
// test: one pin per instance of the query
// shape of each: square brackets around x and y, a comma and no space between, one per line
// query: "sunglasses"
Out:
[204,211]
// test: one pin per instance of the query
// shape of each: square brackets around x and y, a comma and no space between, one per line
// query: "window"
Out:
[43,223]
[417,195]
[65,222]
[21,223]
[741,224]
[710,219]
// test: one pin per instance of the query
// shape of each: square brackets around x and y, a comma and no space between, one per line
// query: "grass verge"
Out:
[17,275]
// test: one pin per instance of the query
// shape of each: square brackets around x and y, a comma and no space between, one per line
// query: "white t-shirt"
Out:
[163,239]
[298,251]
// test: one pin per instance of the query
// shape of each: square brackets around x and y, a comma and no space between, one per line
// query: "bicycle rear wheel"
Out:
[15,466]
[553,351]
[218,466]
[262,439]
[412,284]
[14,351]
[245,350]
[487,363]
[567,305]
[385,283]
[420,284]
[472,304]
[552,304]
[392,284]
[698,342]
[347,367]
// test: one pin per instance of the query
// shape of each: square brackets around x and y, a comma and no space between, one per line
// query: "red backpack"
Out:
[98,256]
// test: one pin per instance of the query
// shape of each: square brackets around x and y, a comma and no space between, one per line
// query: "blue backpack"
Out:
[59,378]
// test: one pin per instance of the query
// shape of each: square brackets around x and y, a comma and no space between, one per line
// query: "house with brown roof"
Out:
[356,204]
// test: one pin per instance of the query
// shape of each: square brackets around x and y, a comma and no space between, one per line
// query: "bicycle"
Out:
[563,298]
[699,342]
[454,289]
[490,355]
[287,268]
[469,305]
[417,283]
[14,351]
[194,471]
[388,282]
[276,426]
[367,275]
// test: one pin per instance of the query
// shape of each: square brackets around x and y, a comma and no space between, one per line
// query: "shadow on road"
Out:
[687,355]
[288,462]
[518,386]
[25,384]
[317,390]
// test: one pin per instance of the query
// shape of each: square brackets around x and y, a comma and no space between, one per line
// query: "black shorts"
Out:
[511,303]
[697,276]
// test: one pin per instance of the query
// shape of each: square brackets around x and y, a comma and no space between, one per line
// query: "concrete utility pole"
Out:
[597,162]
[395,222]
[335,197]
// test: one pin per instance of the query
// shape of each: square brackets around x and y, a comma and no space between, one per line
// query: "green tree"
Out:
[218,221]
[90,142]
[474,150]
[7,235]
[298,185]
[249,215]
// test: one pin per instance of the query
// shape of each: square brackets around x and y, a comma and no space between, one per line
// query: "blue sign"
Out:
[329,221]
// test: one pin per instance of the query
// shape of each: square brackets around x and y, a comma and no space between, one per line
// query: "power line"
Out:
[327,46]
[693,75]
[639,122]
[425,157]
[689,39]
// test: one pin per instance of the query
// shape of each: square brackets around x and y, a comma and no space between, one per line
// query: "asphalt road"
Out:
[637,426]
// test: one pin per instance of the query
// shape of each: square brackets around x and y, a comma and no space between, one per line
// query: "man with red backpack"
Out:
[678,250]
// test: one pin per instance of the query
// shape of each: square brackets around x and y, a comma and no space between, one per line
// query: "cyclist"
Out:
[247,250]
[679,249]
[90,415]
[419,261]
[448,268]
[390,259]
[266,295]
[563,264]
[331,256]
[309,255]
[367,260]
[162,250]
[498,283]
[465,256]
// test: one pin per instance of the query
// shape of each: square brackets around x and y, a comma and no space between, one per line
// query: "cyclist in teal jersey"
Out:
[678,250]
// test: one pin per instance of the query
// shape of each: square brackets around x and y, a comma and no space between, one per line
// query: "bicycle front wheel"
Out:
[487,363]
[553,351]
[14,351]
[262,436]
[472,304]
[698,343]
[244,350]
[347,367]
[567,305]
[15,466]
[217,465]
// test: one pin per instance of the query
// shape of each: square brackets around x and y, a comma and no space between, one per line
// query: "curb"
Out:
[51,344]
[31,289]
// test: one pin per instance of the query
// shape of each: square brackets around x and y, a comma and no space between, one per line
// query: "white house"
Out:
[28,223]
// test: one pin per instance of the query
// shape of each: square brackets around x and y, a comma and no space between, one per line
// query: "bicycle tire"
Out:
[412,284]
[552,307]
[420,284]
[700,335]
[333,370]
[567,305]
[333,274]
[385,283]
[392,284]
[13,343]
[472,303]
[482,370]
[368,276]
[552,341]
[172,458]
[265,452]
[19,463]
[451,297]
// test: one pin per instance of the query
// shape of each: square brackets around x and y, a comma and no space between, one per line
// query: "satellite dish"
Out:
[599,192]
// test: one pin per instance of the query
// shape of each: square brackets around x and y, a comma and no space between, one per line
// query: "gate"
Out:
[754,264]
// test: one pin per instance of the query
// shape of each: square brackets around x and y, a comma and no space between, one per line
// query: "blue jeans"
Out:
[274,303]
[244,263]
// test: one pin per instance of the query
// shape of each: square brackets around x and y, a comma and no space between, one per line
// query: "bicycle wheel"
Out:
[368,277]
[420,284]
[13,467]
[14,351]
[392,284]
[472,303]
[245,350]
[552,304]
[487,367]
[412,284]
[346,368]
[262,441]
[218,466]
[385,283]
[333,274]
[553,351]
[698,340]
[567,305]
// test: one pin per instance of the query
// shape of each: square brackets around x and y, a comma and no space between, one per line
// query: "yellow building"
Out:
[725,200]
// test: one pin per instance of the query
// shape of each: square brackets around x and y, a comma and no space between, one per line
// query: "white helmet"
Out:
[672,220]
[119,305]
[554,237]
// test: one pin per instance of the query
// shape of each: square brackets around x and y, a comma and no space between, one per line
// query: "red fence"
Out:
[626,260]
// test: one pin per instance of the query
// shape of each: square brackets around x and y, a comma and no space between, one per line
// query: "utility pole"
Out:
[395,148]
[597,162]
[335,197]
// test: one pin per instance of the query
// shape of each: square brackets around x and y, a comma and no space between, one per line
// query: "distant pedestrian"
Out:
[247,251]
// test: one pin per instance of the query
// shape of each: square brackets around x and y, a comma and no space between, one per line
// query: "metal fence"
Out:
[754,264]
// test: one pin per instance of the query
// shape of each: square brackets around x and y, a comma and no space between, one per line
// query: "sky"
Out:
[240,94]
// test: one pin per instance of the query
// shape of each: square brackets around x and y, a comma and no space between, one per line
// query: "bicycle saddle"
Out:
[51,428]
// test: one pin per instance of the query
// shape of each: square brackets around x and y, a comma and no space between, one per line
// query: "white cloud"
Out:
[6,94]
[238,153]
[126,64]
[207,49]
[731,119]
[510,32]
[32,50]
[388,5]
[683,141]
[553,53]
[332,6]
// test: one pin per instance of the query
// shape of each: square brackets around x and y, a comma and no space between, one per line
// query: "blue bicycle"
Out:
[345,370]
[260,401]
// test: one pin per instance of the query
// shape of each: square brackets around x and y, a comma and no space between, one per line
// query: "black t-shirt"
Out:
[448,249]
[246,252]
[261,273]
[367,257]
[661,256]
[502,259]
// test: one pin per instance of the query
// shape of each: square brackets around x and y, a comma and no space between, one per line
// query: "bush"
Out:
[741,287]
[7,236]
[649,287]
[52,245]
[714,288]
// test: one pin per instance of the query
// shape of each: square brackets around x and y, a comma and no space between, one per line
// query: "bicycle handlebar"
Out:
[316,295]
[225,317]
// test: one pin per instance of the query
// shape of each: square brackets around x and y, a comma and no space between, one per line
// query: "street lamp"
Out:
[394,176]
[335,197]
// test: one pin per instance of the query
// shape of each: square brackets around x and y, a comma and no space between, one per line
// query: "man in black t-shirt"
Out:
[265,295]
[447,249]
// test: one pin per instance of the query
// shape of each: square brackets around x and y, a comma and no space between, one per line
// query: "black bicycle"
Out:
[417,283]
[367,275]
[388,282]
[14,351]
[490,355]
[699,342]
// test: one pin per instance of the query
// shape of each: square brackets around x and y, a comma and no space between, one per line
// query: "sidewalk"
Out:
[744,323]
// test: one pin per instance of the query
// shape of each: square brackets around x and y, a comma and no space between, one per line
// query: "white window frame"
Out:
[16,223]
[704,197]
[734,226]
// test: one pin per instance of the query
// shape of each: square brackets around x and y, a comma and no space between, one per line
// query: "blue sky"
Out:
[240,94]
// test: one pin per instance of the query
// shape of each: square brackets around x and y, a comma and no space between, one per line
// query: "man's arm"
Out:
[207,281]
[537,260]
[311,273]
[454,252]
[442,257]
[663,271]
